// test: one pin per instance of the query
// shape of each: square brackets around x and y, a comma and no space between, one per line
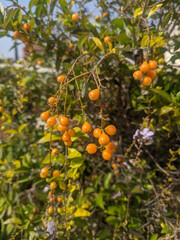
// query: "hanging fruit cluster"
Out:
[146,73]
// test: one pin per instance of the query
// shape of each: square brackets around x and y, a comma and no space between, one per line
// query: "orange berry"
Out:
[119,159]
[50,193]
[144,67]
[106,155]
[45,115]
[66,137]
[59,199]
[62,128]
[71,132]
[52,101]
[86,127]
[97,18]
[53,185]
[114,165]
[27,26]
[137,75]
[107,39]
[104,139]
[60,78]
[51,121]
[91,148]
[55,152]
[111,130]
[56,173]
[147,81]
[64,121]
[94,94]
[122,165]
[151,74]
[39,62]
[116,172]
[16,34]
[42,175]
[153,65]
[105,14]
[50,210]
[75,17]
[97,132]
[44,171]
[110,147]
[68,143]
[24,39]
[52,199]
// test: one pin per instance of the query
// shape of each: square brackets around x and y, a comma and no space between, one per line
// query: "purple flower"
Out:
[136,134]
[50,227]
[146,134]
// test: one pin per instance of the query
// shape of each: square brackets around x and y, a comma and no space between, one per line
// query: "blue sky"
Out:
[6,43]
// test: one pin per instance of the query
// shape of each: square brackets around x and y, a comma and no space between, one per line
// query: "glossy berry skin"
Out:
[66,137]
[137,75]
[110,147]
[75,17]
[16,34]
[42,175]
[55,152]
[86,127]
[51,121]
[27,27]
[105,14]
[59,199]
[97,132]
[45,116]
[52,101]
[68,143]
[56,173]
[152,65]
[62,128]
[144,67]
[107,39]
[94,94]
[60,78]
[91,148]
[97,18]
[119,159]
[39,62]
[147,81]
[50,210]
[44,171]
[114,165]
[64,121]
[111,130]
[71,132]
[53,185]
[151,74]
[1,109]
[104,139]
[106,155]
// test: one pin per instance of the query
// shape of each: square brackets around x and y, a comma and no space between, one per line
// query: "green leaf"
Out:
[98,43]
[13,220]
[89,190]
[99,200]
[162,93]
[82,40]
[154,237]
[1,14]
[22,127]
[137,12]
[104,234]
[153,10]
[76,162]
[73,153]
[81,213]
[59,158]
[18,15]
[11,131]
[8,17]
[72,172]
[47,138]
[118,22]
[112,220]
[144,41]
[165,110]
[107,180]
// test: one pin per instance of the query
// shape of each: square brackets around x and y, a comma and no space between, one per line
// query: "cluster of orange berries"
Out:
[63,123]
[118,164]
[52,199]
[103,139]
[146,69]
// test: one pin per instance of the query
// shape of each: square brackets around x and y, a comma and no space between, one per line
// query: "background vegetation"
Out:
[135,195]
